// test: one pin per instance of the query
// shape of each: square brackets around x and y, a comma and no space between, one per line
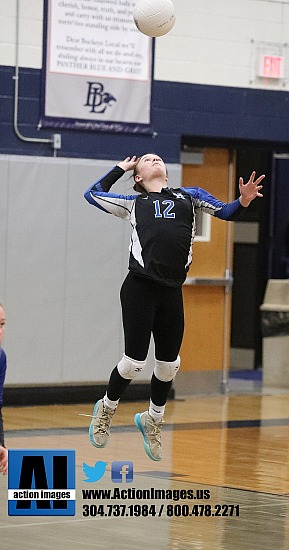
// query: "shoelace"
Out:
[104,421]
[154,431]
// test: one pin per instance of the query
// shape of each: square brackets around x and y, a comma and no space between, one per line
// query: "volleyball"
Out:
[154,17]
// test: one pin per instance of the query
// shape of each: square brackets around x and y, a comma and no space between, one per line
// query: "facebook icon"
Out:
[122,471]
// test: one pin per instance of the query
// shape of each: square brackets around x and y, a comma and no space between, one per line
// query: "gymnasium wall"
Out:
[205,83]
[58,279]
[62,265]
[211,43]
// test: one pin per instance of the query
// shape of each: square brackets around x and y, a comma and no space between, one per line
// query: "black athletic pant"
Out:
[149,308]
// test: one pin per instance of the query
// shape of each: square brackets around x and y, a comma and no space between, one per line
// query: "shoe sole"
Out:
[91,428]
[139,425]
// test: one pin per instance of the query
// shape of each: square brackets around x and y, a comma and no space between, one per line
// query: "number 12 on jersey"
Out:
[167,211]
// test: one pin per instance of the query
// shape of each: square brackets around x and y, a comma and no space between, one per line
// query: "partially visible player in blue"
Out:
[163,229]
[3,450]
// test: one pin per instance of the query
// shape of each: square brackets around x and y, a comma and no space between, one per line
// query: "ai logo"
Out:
[41,482]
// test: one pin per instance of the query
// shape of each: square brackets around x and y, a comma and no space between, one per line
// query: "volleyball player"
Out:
[163,229]
[3,450]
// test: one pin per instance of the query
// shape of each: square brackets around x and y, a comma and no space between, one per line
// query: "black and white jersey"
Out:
[163,224]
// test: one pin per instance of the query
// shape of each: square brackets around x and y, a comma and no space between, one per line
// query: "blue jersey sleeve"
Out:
[98,195]
[208,203]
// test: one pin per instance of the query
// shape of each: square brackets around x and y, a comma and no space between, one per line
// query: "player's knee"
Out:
[130,368]
[165,370]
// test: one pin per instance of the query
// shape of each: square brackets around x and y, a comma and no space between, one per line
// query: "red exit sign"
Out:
[271,66]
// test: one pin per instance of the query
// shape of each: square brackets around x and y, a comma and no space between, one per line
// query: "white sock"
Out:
[156,412]
[110,404]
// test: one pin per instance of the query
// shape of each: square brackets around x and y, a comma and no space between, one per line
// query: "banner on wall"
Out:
[97,67]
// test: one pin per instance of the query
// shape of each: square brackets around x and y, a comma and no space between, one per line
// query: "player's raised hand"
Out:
[128,163]
[250,190]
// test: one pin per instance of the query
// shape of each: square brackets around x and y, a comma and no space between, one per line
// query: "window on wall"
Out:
[203,227]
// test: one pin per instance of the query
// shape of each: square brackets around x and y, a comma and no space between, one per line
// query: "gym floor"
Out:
[233,448]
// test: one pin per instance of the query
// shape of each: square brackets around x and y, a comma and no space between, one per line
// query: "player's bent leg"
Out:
[104,410]
[150,423]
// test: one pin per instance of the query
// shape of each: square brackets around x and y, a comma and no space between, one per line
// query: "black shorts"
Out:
[150,308]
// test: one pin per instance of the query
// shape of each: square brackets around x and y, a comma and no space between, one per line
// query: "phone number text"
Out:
[168,510]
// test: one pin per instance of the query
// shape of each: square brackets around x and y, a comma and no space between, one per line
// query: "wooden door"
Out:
[207,296]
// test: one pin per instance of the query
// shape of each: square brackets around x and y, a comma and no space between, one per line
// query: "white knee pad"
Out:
[130,368]
[166,371]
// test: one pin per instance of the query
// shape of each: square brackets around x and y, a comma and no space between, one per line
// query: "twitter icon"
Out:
[96,472]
